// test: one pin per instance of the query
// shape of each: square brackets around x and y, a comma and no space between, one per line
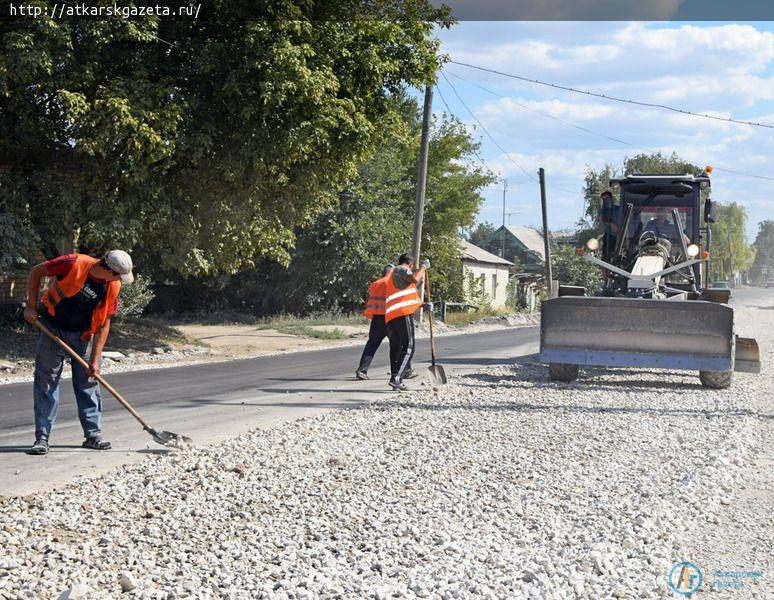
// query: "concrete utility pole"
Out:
[419,209]
[730,255]
[502,237]
[546,245]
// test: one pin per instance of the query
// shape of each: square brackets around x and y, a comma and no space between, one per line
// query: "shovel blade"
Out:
[173,440]
[437,374]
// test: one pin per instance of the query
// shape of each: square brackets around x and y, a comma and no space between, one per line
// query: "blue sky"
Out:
[725,69]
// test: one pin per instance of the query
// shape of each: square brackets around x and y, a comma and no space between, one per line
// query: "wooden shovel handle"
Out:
[76,357]
[430,318]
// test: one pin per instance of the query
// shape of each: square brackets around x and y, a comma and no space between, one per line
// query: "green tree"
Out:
[729,226]
[17,243]
[763,266]
[135,297]
[345,248]
[200,144]
[481,234]
[596,182]
[571,269]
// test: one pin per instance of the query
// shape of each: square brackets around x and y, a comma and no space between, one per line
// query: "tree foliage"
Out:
[346,247]
[200,144]
[729,227]
[596,182]
[17,242]
[481,234]
[135,297]
[763,266]
[571,269]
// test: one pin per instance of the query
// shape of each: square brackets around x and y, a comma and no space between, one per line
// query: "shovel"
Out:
[165,438]
[437,374]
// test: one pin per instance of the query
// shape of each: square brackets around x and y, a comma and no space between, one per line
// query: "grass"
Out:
[302,330]
[229,317]
[462,318]
[287,324]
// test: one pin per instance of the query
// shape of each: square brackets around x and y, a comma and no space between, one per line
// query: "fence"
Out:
[13,290]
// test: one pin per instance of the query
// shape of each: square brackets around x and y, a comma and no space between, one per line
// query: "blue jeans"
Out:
[49,360]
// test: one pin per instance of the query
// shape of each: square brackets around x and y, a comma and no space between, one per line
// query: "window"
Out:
[494,286]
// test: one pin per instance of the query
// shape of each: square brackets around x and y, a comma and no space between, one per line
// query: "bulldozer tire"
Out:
[716,380]
[563,371]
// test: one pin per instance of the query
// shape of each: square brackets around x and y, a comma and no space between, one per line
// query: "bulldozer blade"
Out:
[636,332]
[748,356]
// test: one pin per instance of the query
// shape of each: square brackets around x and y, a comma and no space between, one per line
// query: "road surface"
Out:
[211,402]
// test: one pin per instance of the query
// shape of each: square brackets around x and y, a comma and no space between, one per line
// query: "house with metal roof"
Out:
[520,245]
[484,275]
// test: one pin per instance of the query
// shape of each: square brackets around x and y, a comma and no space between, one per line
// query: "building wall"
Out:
[494,277]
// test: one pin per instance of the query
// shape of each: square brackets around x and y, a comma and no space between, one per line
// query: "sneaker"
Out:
[96,443]
[39,447]
[410,374]
[398,385]
[361,375]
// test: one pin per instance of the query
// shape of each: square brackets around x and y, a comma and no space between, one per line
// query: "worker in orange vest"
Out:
[375,312]
[77,307]
[402,301]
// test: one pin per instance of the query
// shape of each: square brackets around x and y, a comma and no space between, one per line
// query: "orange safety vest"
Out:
[376,298]
[400,302]
[72,283]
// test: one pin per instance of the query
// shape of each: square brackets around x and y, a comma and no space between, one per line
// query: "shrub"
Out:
[135,297]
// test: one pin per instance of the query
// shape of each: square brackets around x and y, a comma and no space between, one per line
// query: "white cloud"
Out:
[723,70]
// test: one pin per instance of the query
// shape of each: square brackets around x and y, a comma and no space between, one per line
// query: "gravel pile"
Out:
[502,484]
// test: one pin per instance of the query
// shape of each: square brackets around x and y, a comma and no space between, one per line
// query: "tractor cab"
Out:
[657,222]
[652,311]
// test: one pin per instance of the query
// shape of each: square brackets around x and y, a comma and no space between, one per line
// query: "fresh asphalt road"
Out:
[268,375]
[214,401]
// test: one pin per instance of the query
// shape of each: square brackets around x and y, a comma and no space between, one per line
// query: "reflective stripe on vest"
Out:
[376,299]
[54,294]
[400,302]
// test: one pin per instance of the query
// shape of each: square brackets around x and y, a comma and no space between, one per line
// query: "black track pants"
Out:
[376,334]
[401,334]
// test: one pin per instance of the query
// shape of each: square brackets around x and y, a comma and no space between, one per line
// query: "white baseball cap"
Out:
[120,262]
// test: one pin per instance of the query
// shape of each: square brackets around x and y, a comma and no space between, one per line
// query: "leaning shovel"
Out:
[437,374]
[165,438]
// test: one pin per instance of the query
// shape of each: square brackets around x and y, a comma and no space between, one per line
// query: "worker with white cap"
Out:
[77,307]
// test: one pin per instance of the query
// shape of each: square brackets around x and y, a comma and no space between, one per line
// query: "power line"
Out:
[475,153]
[507,155]
[486,131]
[614,98]
[597,133]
